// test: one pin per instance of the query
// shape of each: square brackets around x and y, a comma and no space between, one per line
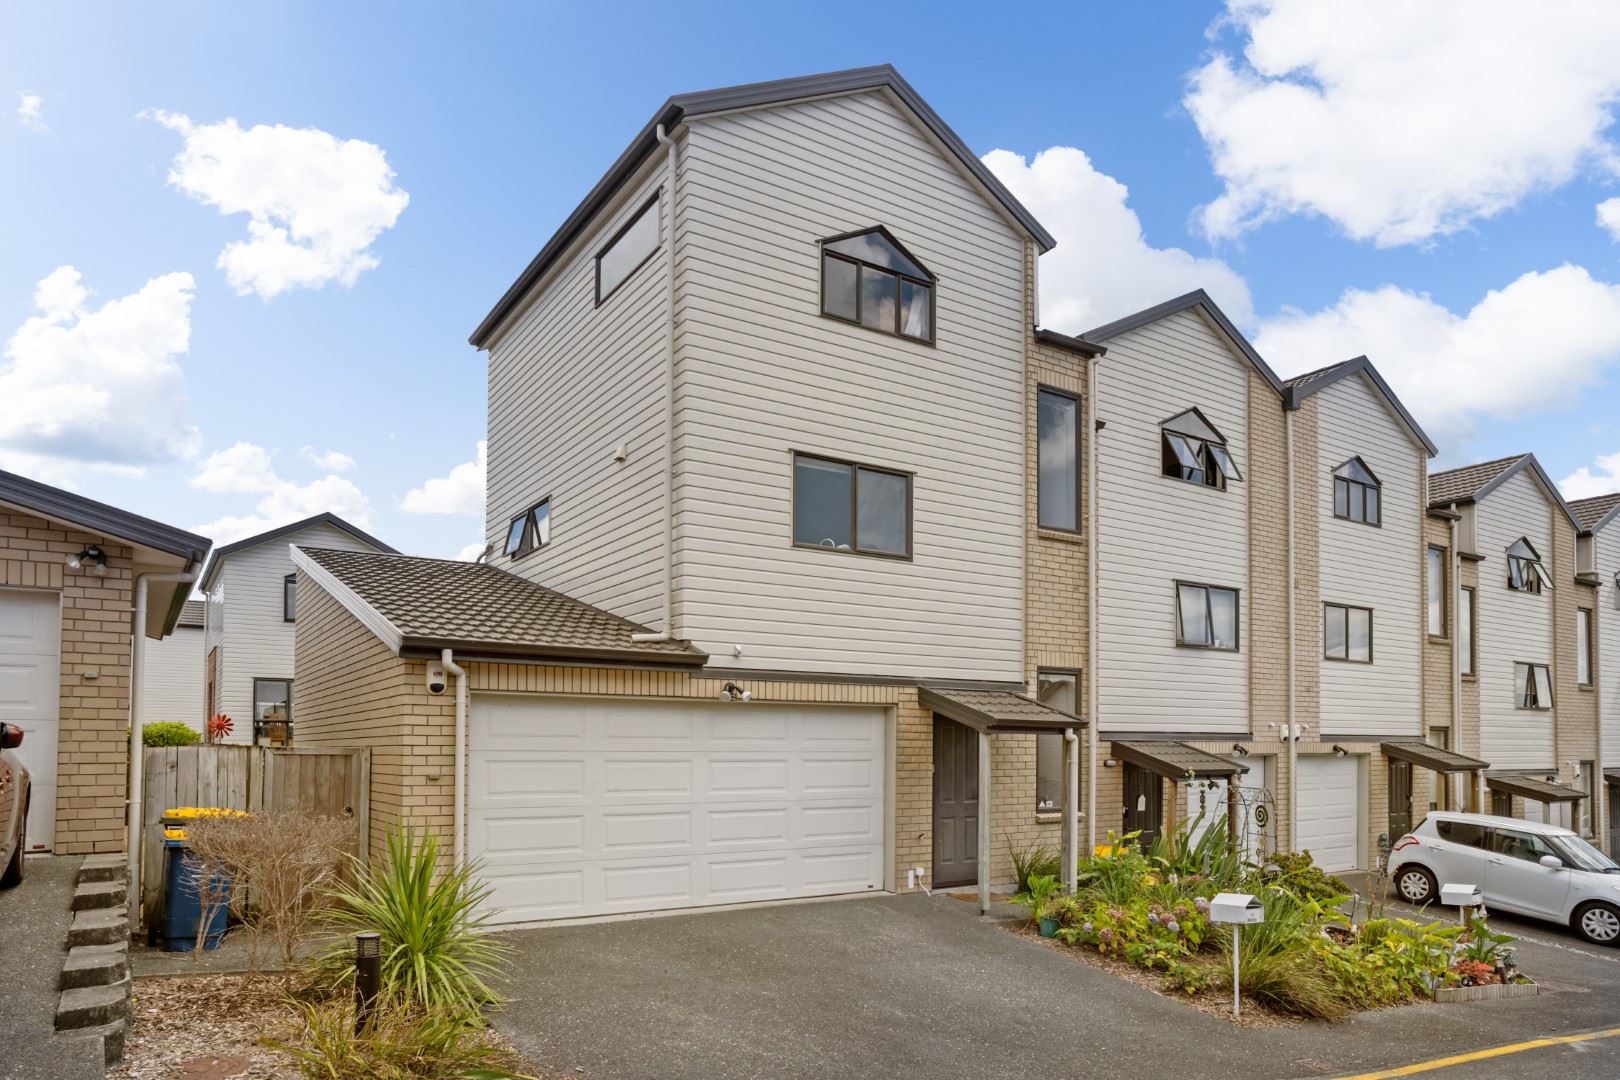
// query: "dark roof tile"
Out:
[1459,485]
[1589,512]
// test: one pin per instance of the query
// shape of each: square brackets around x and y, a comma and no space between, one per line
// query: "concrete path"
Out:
[33,943]
[915,986]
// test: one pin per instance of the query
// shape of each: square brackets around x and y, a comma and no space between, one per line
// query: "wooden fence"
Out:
[253,778]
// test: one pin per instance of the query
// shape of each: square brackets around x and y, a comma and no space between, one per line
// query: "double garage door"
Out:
[1330,818]
[588,807]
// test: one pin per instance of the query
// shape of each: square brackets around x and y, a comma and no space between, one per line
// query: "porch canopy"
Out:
[1530,787]
[1002,712]
[1432,757]
[1176,761]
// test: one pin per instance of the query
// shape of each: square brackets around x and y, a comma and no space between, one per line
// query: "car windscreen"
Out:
[1583,856]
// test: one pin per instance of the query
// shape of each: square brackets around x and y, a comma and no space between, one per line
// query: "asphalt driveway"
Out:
[918,986]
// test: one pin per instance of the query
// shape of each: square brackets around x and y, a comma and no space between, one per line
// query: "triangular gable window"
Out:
[1357,494]
[1194,451]
[1525,571]
[868,278]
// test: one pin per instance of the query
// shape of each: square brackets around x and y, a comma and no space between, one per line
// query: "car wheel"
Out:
[14,869]
[1598,923]
[1416,885]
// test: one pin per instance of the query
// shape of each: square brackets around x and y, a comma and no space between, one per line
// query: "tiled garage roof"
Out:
[996,710]
[429,604]
[1174,760]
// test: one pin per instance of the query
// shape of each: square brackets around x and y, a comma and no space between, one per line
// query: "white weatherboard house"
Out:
[247,660]
[172,685]
[1597,636]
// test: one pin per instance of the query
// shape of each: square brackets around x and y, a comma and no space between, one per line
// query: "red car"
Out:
[13,806]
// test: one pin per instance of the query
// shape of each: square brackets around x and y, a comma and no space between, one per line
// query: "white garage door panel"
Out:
[1330,811]
[580,807]
[30,690]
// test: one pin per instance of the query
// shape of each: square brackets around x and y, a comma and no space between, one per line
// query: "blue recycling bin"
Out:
[182,907]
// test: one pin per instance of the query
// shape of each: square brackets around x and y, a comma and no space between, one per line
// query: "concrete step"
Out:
[92,1006]
[107,926]
[95,895]
[110,1036]
[95,965]
[111,867]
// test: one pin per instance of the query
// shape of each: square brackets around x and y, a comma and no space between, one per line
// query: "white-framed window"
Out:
[1435,564]
[1583,809]
[1532,686]
[1525,572]
[1357,494]
[1583,646]
[1465,630]
[529,531]
[869,279]
[845,506]
[628,251]
[1207,616]
[1347,633]
[1060,690]
[1192,450]
[1057,447]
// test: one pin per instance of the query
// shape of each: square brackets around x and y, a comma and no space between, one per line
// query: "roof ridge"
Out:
[1481,464]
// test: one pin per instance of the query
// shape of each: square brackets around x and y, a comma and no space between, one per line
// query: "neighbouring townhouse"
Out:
[84,587]
[1597,645]
[246,665]
[1525,700]
[172,687]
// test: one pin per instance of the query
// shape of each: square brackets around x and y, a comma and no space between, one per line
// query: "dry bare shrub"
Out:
[282,865]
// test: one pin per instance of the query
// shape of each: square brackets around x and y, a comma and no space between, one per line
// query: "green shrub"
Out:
[436,954]
[397,1044]
[1031,861]
[1211,857]
[1282,958]
[169,733]
[1300,875]
[1038,897]
[1119,876]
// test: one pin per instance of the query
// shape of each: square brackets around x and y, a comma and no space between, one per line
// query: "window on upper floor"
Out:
[845,506]
[868,278]
[1058,455]
[1465,630]
[1192,450]
[1525,572]
[1583,646]
[1532,686]
[529,531]
[1347,633]
[1434,564]
[628,251]
[289,597]
[1206,617]
[1357,494]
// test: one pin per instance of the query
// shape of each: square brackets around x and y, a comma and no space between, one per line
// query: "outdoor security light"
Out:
[92,557]
[732,692]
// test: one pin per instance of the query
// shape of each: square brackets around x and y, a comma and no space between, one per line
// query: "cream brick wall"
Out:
[1575,710]
[92,754]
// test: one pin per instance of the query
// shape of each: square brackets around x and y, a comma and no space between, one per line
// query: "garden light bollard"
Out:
[367,977]
[1236,910]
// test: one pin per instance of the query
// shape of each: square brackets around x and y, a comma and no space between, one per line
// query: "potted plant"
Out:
[1039,897]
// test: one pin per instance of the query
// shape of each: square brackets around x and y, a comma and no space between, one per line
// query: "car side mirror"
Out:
[1552,862]
[11,736]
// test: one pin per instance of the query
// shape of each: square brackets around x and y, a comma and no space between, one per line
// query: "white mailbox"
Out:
[1461,896]
[1233,907]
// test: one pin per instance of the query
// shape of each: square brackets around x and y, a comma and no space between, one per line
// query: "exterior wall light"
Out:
[92,557]
[732,692]
[1339,751]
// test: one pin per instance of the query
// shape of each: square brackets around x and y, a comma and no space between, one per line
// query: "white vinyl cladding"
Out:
[762,373]
[1514,627]
[1154,530]
[1606,620]
[569,382]
[1372,567]
[257,640]
[172,684]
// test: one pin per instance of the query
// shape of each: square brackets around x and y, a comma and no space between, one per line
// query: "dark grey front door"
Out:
[956,803]
[1144,810]
[1614,819]
[1400,799]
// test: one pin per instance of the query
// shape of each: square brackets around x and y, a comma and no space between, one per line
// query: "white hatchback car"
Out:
[1544,871]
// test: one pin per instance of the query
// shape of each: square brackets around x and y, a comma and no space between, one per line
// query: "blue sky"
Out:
[1358,179]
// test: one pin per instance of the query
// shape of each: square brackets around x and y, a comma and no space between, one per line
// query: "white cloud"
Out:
[315,203]
[1103,267]
[330,460]
[245,468]
[1533,344]
[1584,482]
[461,492]
[471,552]
[29,111]
[98,387]
[1400,121]
[1608,216]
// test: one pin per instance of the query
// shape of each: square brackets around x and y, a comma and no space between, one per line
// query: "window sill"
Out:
[1061,535]
[1585,688]
[1469,678]
[1438,639]
[1049,817]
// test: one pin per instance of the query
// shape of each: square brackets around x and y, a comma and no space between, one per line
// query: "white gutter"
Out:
[1091,600]
[1293,714]
[458,829]
[668,632]
[137,756]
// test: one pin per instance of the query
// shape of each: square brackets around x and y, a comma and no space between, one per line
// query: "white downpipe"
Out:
[668,632]
[458,832]
[1071,817]
[1091,601]
[137,755]
[1293,710]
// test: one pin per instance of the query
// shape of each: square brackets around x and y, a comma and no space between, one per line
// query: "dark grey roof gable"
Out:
[1303,386]
[1472,483]
[1597,512]
[100,518]
[752,95]
[254,541]
[1198,298]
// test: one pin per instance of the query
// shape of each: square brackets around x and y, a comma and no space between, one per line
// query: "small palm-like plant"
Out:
[436,952]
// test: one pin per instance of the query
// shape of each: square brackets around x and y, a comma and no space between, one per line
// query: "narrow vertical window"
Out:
[1584,807]
[289,597]
[1583,646]
[1058,460]
[1436,566]
[1060,690]
[1465,630]
[629,249]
